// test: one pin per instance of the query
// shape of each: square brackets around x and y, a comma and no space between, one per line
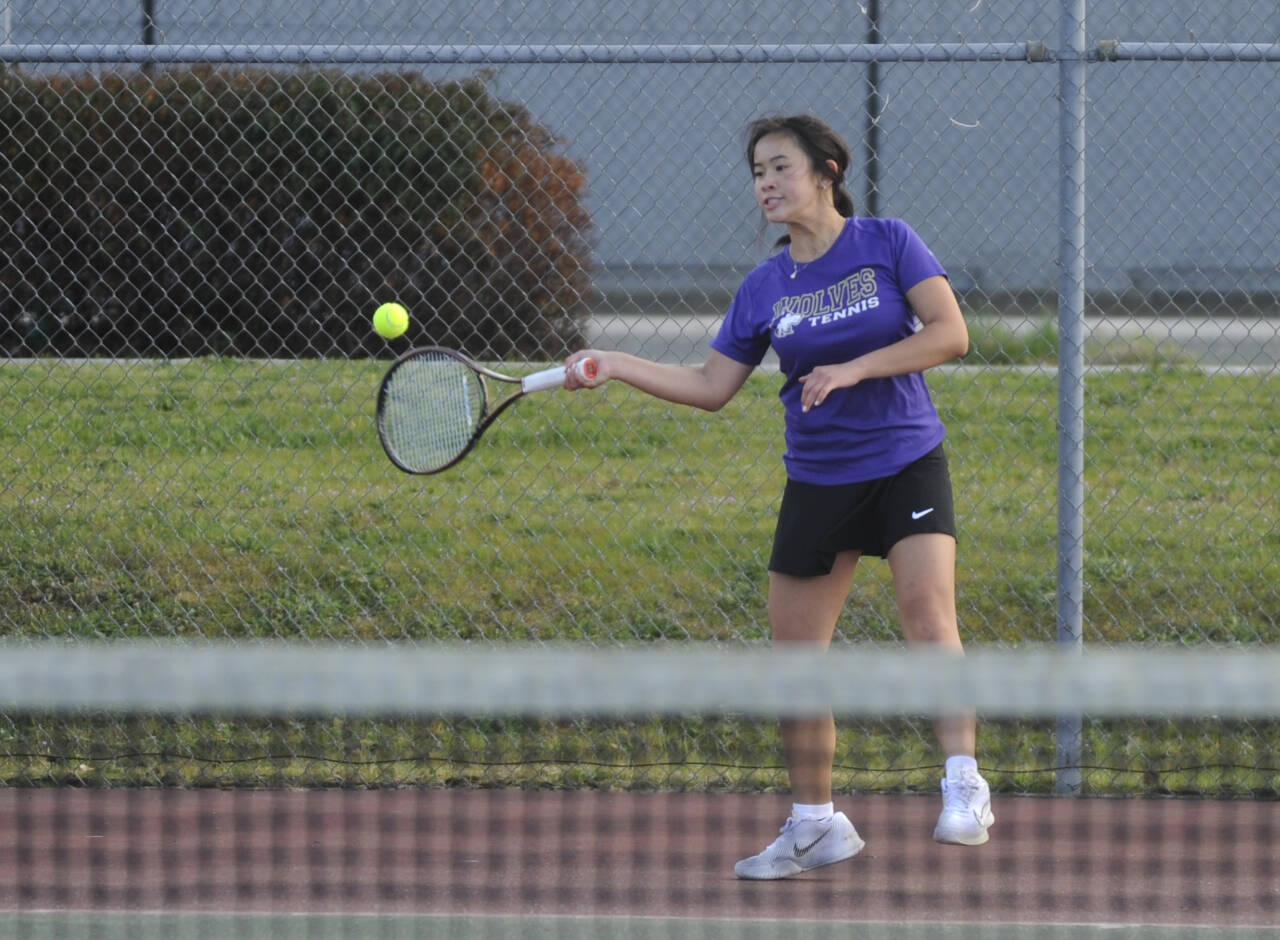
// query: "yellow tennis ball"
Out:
[390,320]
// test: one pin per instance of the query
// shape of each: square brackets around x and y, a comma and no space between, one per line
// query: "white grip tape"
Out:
[547,378]
[585,369]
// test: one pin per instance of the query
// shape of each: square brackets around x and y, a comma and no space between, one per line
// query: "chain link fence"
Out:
[203,202]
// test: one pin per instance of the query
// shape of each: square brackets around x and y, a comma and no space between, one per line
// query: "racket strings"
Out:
[432,406]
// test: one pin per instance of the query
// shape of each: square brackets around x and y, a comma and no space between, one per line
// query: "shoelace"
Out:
[787,826]
[960,793]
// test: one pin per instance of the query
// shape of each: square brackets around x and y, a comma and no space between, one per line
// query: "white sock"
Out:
[801,811]
[959,764]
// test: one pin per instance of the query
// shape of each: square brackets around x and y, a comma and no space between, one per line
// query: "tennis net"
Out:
[551,791]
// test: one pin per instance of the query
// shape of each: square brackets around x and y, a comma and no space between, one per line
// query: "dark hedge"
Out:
[266,213]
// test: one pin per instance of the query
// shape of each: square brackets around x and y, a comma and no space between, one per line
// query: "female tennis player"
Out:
[856,309]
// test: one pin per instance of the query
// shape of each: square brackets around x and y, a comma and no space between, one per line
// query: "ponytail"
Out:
[844,201]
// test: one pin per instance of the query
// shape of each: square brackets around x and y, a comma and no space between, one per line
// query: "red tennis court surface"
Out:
[1050,861]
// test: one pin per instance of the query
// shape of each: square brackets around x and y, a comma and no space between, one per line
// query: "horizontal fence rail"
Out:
[555,54]
[604,54]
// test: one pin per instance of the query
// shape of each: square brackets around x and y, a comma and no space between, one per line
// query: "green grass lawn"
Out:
[234,499]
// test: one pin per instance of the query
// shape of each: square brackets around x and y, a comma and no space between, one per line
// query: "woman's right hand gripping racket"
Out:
[434,404]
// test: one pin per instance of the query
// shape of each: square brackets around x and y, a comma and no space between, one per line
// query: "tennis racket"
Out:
[434,403]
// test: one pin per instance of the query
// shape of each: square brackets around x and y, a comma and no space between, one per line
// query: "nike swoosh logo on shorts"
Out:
[922,513]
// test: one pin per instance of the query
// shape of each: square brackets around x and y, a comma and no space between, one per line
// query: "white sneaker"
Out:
[966,810]
[804,845]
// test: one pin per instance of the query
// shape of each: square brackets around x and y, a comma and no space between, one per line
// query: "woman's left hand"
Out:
[823,380]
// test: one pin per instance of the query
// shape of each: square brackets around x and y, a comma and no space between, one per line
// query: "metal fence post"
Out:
[1071,260]
[871,200]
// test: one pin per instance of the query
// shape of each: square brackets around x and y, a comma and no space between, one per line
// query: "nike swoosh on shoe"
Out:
[802,852]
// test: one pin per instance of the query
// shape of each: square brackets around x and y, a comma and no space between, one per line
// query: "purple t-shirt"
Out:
[846,303]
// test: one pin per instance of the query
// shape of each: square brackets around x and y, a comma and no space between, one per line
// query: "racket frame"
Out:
[535,381]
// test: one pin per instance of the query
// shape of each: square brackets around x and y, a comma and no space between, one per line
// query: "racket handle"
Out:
[584,369]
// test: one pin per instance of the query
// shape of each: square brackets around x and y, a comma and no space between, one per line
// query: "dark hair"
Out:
[821,144]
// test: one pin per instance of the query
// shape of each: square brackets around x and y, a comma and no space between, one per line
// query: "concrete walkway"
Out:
[1211,341]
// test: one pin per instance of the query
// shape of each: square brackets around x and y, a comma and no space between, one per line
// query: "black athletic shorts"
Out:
[816,522]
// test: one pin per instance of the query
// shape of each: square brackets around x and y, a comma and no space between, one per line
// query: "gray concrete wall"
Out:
[1184,177]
